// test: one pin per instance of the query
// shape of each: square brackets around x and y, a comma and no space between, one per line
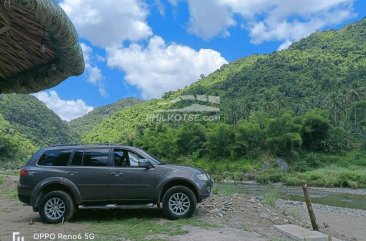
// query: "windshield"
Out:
[152,158]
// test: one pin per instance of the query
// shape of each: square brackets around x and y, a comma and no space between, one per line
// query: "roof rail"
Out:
[86,144]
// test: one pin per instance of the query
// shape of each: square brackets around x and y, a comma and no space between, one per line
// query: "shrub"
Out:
[312,160]
[347,179]
[292,180]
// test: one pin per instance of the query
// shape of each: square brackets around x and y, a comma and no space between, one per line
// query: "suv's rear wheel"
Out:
[179,202]
[55,207]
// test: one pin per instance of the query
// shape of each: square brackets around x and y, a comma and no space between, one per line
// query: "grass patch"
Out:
[142,228]
[2,180]
[234,170]
[225,190]
[331,176]
[270,196]
[6,192]
[317,169]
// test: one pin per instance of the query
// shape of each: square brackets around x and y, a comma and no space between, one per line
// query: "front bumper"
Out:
[205,189]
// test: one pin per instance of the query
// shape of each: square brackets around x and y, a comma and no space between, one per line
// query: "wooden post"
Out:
[310,208]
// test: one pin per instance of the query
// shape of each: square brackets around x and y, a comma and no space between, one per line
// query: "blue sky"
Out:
[144,48]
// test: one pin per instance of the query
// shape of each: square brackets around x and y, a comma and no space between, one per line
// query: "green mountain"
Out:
[13,145]
[305,105]
[325,71]
[33,120]
[93,118]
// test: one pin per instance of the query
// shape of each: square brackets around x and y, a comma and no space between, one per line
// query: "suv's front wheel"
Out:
[179,202]
[55,207]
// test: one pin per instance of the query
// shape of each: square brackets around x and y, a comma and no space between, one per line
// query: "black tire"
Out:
[63,212]
[176,211]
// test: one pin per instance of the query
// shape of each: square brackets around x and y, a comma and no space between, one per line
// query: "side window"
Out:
[55,158]
[120,158]
[134,159]
[77,158]
[96,157]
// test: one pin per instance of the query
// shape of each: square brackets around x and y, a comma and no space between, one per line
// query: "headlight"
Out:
[203,177]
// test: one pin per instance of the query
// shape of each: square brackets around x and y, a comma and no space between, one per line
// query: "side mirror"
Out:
[145,164]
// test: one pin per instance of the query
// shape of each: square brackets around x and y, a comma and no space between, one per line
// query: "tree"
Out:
[283,135]
[191,138]
[315,128]
[220,140]
[249,138]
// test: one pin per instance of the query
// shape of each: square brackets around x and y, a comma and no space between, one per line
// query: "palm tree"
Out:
[335,105]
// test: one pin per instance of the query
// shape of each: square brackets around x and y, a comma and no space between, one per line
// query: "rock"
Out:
[216,210]
[252,200]
[264,215]
[248,176]
[266,165]
[282,164]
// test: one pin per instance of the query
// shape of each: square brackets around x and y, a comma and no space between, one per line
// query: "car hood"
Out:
[181,169]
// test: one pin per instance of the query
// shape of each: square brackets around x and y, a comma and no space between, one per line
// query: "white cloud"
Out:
[66,109]
[209,18]
[108,22]
[95,75]
[267,20]
[159,67]
[289,21]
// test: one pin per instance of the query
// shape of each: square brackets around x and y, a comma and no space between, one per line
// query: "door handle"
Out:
[116,173]
[73,172]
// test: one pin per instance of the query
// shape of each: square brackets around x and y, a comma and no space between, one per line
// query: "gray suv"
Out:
[58,180]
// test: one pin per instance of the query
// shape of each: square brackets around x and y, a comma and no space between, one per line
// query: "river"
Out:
[339,197]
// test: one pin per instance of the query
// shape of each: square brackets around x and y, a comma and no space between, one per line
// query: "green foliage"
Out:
[324,71]
[249,138]
[13,145]
[30,117]
[306,104]
[284,135]
[270,176]
[314,129]
[337,140]
[220,140]
[85,123]
[330,176]
[225,190]
[312,160]
[270,196]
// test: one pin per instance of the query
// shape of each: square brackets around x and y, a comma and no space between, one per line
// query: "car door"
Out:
[127,180]
[89,171]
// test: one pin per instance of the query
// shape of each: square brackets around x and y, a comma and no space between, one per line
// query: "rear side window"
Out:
[77,158]
[91,158]
[96,158]
[55,158]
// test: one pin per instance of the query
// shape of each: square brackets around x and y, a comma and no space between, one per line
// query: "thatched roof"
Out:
[39,46]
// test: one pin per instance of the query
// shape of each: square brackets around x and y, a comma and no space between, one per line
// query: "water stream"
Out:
[339,197]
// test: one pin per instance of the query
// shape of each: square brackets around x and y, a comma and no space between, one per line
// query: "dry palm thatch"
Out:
[39,46]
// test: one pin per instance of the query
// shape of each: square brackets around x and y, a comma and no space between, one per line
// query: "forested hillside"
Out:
[297,104]
[90,120]
[30,117]
[13,145]
[305,105]
[326,71]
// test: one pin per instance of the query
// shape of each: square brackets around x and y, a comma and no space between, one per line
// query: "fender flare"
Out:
[167,180]
[38,190]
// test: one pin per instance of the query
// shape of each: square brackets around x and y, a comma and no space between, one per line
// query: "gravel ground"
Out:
[344,223]
[235,216]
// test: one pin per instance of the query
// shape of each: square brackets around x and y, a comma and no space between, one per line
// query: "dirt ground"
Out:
[233,217]
[345,223]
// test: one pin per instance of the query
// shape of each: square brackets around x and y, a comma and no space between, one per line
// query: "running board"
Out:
[115,206]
